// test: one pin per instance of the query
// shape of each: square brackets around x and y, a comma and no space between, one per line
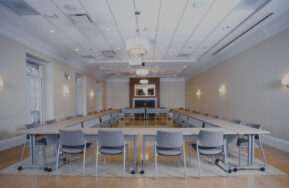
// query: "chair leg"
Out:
[190,155]
[263,153]
[225,159]
[213,160]
[126,155]
[44,155]
[70,158]
[185,167]
[179,161]
[96,160]
[92,154]
[199,165]
[104,160]
[240,155]
[57,160]
[22,154]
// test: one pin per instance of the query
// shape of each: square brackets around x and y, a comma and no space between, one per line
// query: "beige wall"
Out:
[13,97]
[172,94]
[254,92]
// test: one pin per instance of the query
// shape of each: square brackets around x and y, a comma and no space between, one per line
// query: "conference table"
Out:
[149,134]
[187,116]
[145,111]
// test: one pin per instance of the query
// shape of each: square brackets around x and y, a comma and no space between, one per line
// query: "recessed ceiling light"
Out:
[107,29]
[76,49]
[51,31]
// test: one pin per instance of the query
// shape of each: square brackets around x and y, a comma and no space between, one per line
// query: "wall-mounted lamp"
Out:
[198,93]
[67,76]
[66,91]
[222,90]
[285,81]
[1,83]
[91,94]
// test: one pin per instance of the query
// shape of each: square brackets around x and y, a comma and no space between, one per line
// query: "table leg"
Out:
[31,149]
[252,149]
[34,150]
[143,155]
[133,171]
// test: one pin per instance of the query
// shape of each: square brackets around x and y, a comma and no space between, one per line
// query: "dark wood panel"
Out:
[133,81]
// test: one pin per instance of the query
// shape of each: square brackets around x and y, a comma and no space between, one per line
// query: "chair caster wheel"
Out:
[49,169]
[229,171]
[20,168]
[142,172]
[132,171]
[45,169]
[262,169]
[235,170]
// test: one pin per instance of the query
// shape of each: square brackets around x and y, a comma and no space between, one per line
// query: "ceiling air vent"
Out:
[108,54]
[20,7]
[243,33]
[184,55]
[80,19]
[87,56]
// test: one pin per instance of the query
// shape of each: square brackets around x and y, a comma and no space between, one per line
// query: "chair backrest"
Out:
[216,116]
[207,114]
[69,118]
[51,138]
[32,125]
[169,139]
[89,113]
[198,112]
[95,112]
[51,121]
[236,121]
[79,115]
[110,138]
[71,137]
[211,138]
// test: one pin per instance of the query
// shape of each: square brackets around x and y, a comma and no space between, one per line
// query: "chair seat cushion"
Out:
[208,150]
[169,151]
[111,150]
[74,149]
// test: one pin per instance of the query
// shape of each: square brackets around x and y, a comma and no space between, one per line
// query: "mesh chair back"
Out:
[169,139]
[71,137]
[236,121]
[110,138]
[32,125]
[51,121]
[211,138]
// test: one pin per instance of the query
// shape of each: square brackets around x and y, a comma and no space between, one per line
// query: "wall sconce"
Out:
[91,94]
[222,90]
[1,83]
[66,91]
[198,93]
[67,76]
[285,81]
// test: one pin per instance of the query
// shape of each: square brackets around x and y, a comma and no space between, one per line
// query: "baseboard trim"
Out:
[276,143]
[11,142]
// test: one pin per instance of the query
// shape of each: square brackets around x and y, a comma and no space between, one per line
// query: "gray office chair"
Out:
[48,122]
[39,142]
[169,144]
[210,142]
[69,118]
[244,142]
[73,142]
[95,112]
[89,113]
[216,116]
[207,114]
[79,115]
[111,143]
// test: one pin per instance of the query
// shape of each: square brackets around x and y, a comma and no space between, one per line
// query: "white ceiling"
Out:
[183,34]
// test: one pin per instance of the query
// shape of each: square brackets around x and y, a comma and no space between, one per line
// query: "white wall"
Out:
[254,92]
[13,97]
[172,93]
